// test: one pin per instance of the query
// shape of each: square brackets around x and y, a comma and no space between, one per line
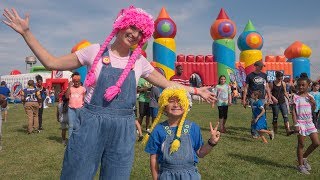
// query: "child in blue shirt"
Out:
[175,144]
[316,95]
[259,117]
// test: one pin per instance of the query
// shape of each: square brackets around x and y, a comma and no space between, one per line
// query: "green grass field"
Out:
[237,156]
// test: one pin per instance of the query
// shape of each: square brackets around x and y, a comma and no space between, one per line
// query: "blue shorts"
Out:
[153,112]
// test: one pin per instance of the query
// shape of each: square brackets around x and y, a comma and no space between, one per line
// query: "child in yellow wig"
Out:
[175,144]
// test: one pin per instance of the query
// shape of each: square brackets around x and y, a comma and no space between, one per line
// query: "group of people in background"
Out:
[303,105]
[296,99]
[101,116]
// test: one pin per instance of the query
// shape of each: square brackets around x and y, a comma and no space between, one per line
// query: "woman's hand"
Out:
[14,21]
[206,94]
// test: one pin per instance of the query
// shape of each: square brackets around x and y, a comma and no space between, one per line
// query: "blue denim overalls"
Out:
[106,131]
[180,164]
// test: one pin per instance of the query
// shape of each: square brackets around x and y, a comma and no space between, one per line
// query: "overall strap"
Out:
[105,53]
[185,130]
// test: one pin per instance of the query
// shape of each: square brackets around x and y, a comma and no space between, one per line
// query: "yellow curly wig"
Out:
[182,95]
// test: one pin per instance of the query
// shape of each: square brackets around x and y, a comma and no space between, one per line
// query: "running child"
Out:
[303,106]
[259,122]
[316,95]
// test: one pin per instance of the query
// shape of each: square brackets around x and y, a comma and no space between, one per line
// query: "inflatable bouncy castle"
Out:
[164,45]
[203,66]
[222,32]
[298,53]
[250,43]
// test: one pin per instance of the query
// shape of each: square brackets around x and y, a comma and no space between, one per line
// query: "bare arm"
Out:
[268,92]
[159,80]
[244,98]
[294,118]
[23,99]
[214,138]
[312,102]
[274,99]
[154,166]
[67,94]
[261,114]
[50,62]
[3,101]
[286,94]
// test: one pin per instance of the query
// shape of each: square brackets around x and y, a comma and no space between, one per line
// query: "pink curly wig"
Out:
[127,17]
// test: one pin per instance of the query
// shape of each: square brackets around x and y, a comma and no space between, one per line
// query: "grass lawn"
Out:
[237,156]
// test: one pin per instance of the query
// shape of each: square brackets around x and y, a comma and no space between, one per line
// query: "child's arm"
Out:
[3,101]
[138,126]
[294,118]
[261,114]
[23,99]
[206,148]
[154,166]
[312,102]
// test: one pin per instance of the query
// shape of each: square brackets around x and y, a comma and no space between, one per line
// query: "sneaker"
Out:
[148,130]
[306,164]
[255,136]
[271,135]
[36,131]
[302,169]
[137,131]
[140,138]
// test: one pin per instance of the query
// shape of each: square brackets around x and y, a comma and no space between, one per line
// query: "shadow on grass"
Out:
[23,130]
[259,161]
[240,138]
[55,138]
[232,130]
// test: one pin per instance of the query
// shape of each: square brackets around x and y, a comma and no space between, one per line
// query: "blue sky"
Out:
[60,24]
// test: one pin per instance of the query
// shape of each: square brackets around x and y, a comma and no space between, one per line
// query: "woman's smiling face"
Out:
[130,36]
